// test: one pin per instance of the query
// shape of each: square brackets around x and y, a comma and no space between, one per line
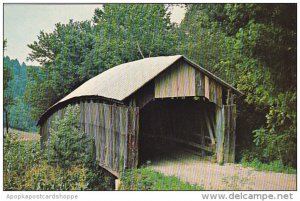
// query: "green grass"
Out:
[146,179]
[274,166]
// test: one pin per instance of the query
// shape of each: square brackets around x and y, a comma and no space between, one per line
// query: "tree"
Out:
[77,51]
[7,76]
[253,47]
[19,111]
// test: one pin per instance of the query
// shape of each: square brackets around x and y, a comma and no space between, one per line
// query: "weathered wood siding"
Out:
[208,88]
[225,133]
[177,81]
[230,137]
[220,128]
[183,80]
[114,128]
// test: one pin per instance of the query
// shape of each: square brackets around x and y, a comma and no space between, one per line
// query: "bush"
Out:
[273,166]
[66,161]
[19,157]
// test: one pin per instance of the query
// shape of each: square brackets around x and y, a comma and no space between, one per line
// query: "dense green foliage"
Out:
[253,47]
[15,84]
[7,97]
[77,51]
[147,179]
[65,162]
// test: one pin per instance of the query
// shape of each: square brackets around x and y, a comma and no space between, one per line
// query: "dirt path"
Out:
[212,176]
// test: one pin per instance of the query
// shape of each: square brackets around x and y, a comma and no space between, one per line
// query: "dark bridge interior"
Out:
[169,126]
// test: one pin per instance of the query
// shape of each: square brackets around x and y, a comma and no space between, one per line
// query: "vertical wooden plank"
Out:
[209,127]
[136,133]
[87,117]
[206,81]
[129,138]
[132,145]
[172,85]
[219,95]
[186,80]
[199,83]
[177,81]
[108,125]
[132,138]
[226,132]
[125,137]
[220,134]
[231,133]
[181,74]
[112,138]
[191,81]
[95,127]
[82,120]
[212,91]
[158,87]
[117,137]
[103,133]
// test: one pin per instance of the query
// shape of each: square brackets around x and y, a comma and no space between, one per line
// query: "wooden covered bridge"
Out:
[135,107]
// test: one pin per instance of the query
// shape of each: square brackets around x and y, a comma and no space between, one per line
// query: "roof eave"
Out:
[209,74]
[73,100]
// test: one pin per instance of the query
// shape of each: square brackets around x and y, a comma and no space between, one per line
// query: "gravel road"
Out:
[211,176]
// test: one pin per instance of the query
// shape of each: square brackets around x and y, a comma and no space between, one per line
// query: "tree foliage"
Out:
[253,47]
[77,51]
[15,89]
[7,97]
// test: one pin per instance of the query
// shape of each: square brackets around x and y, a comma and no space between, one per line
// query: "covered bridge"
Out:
[136,107]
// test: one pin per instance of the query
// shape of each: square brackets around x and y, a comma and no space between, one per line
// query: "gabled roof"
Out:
[123,80]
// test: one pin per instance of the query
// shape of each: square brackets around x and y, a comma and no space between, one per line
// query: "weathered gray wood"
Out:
[230,136]
[199,81]
[144,95]
[225,131]
[109,126]
[233,134]
[177,81]
[210,128]
[136,145]
[220,134]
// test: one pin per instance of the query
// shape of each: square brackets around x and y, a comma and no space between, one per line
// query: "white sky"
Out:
[23,22]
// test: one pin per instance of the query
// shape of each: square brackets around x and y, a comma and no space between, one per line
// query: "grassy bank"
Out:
[274,166]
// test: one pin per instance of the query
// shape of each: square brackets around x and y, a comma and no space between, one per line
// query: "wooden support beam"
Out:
[220,134]
[117,184]
[209,127]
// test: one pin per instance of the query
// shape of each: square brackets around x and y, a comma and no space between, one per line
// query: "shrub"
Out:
[274,166]
[66,161]
[19,157]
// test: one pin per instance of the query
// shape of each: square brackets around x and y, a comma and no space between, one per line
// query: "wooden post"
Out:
[117,184]
[209,127]
[231,134]
[220,134]
[225,133]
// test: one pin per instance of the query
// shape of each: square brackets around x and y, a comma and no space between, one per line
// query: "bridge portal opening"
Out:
[170,128]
